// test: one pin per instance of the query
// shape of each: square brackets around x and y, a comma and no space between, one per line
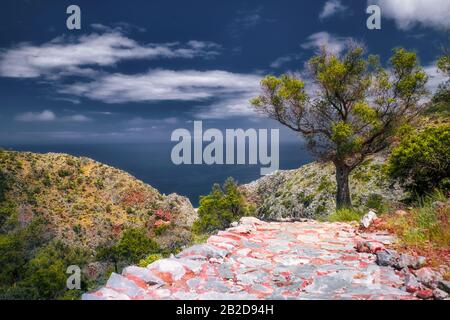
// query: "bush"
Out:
[133,246]
[421,162]
[345,215]
[221,207]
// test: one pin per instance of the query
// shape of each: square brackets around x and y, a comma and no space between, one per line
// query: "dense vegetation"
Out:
[57,211]
[221,207]
[422,161]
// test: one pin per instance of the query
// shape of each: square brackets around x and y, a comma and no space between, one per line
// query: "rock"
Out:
[142,273]
[428,277]
[425,294]
[170,266]
[369,247]
[411,283]
[440,294]
[250,220]
[105,294]
[387,257]
[206,250]
[123,285]
[444,285]
[406,260]
[367,220]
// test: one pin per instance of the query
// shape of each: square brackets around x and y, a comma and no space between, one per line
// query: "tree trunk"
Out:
[343,199]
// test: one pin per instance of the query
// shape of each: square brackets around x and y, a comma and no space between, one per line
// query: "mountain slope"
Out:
[86,203]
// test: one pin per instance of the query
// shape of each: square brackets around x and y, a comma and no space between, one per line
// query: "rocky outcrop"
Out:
[309,192]
[261,260]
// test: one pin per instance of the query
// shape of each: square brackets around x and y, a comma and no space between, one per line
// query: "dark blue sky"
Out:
[138,69]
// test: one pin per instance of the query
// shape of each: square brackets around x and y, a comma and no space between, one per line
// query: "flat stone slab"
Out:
[260,260]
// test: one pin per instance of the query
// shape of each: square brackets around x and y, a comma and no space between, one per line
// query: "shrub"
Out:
[345,215]
[421,162]
[133,246]
[149,259]
[221,207]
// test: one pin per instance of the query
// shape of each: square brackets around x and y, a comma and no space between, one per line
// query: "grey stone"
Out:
[328,284]
[440,294]
[105,294]
[428,277]
[253,263]
[226,271]
[387,257]
[216,285]
[124,285]
[172,266]
[411,282]
[144,274]
[444,285]
[406,260]
[250,244]
[205,250]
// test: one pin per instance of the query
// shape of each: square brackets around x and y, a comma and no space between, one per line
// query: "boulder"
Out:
[406,261]
[440,294]
[428,277]
[168,266]
[387,257]
[368,218]
[411,283]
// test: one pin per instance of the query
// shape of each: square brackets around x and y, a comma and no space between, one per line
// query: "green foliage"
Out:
[46,272]
[358,108]
[376,202]
[345,215]
[440,104]
[421,161]
[133,246]
[149,259]
[161,229]
[426,224]
[221,207]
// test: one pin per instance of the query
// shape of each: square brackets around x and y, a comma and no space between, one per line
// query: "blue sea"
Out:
[152,164]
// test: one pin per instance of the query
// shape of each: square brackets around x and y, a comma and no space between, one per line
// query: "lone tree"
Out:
[355,109]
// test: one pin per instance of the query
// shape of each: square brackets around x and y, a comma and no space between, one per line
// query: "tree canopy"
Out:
[352,107]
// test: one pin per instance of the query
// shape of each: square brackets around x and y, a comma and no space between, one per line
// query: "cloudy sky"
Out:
[139,69]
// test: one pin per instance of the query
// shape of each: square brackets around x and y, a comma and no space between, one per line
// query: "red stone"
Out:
[425,294]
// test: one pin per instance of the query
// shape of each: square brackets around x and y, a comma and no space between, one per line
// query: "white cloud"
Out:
[43,116]
[435,77]
[48,116]
[76,118]
[76,56]
[230,90]
[277,63]
[333,43]
[331,8]
[245,20]
[163,85]
[408,13]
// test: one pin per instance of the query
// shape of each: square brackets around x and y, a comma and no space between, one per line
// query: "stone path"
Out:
[259,260]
